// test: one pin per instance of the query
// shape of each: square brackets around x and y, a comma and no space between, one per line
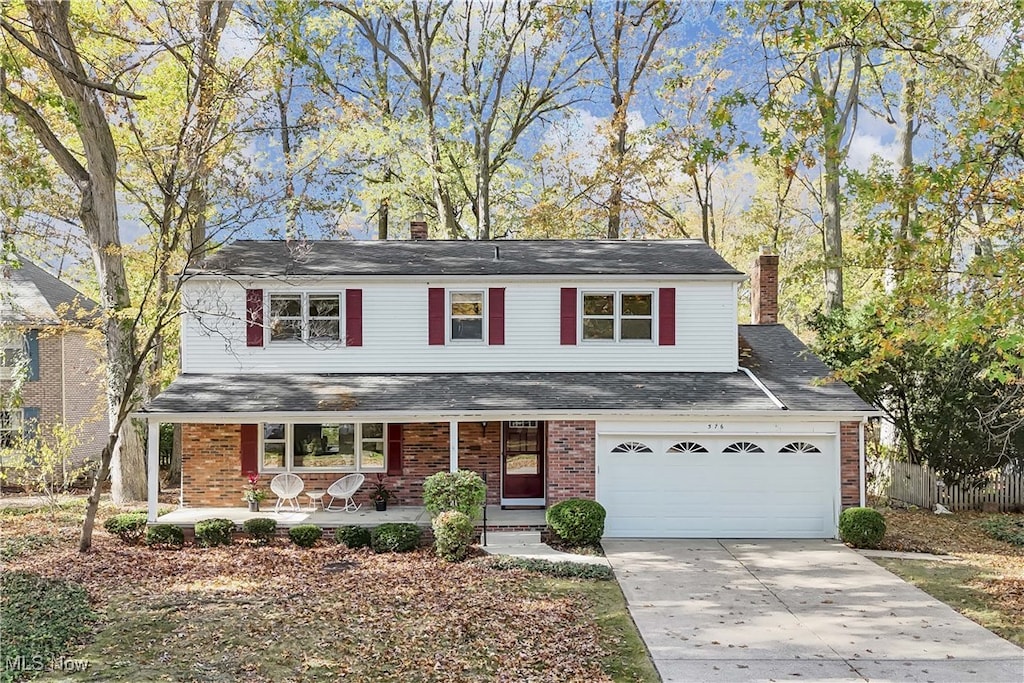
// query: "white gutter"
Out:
[442,277]
[778,404]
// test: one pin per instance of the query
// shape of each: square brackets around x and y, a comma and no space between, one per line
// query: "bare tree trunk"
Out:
[833,236]
[620,130]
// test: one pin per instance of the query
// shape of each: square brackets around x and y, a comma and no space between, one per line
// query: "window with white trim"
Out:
[618,316]
[743,447]
[799,447]
[10,427]
[337,447]
[687,447]
[466,315]
[632,447]
[304,316]
[12,352]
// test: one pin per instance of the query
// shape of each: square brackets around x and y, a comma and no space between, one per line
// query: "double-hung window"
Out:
[467,316]
[341,447]
[11,353]
[307,317]
[10,427]
[618,316]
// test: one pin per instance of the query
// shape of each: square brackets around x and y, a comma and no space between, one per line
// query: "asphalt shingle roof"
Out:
[793,374]
[28,294]
[504,392]
[446,257]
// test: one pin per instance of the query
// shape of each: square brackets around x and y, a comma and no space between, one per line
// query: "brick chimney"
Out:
[418,227]
[764,289]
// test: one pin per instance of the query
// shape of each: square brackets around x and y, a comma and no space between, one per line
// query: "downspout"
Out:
[863,463]
[63,404]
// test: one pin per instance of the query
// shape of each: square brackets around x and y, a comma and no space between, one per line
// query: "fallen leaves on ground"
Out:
[280,613]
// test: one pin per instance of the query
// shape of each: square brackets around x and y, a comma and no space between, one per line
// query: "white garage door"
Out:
[718,486]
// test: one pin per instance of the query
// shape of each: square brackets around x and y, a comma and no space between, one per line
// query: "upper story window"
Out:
[467,316]
[618,316]
[10,427]
[12,349]
[305,317]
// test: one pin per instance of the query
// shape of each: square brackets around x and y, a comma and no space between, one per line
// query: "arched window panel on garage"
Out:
[687,447]
[743,447]
[632,447]
[799,447]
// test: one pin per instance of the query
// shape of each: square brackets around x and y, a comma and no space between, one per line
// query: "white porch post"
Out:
[453,445]
[153,467]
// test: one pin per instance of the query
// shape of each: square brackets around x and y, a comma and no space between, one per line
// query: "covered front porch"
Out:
[498,519]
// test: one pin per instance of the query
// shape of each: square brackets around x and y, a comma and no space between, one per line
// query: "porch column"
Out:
[153,467]
[453,445]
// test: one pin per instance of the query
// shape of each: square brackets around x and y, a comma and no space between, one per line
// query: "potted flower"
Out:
[253,493]
[381,494]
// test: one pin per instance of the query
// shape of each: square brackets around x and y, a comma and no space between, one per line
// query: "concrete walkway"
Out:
[528,544]
[796,610]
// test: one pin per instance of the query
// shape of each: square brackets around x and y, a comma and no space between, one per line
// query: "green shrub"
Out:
[453,534]
[353,536]
[165,536]
[42,619]
[213,532]
[305,535]
[1005,528]
[260,529]
[13,547]
[577,521]
[130,527]
[861,527]
[395,538]
[462,490]
[562,570]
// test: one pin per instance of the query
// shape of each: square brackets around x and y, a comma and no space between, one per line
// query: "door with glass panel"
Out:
[522,463]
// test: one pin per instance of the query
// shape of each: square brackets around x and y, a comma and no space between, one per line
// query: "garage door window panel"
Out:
[799,447]
[687,447]
[632,447]
[743,447]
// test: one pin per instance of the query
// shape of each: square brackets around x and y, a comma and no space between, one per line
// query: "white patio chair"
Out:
[287,487]
[343,490]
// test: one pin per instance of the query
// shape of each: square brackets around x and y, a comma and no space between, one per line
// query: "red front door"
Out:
[522,459]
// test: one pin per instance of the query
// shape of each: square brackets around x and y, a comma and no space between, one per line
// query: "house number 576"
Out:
[716,426]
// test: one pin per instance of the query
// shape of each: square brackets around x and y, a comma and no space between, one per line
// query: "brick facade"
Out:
[849,463]
[70,389]
[571,460]
[764,290]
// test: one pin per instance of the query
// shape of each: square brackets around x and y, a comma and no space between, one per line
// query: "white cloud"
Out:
[865,146]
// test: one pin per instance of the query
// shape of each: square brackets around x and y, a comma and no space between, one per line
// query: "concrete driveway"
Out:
[796,610]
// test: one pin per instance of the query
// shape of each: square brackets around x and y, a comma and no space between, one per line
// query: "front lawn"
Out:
[283,613]
[985,584]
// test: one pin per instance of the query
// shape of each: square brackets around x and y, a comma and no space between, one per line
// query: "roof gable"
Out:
[28,294]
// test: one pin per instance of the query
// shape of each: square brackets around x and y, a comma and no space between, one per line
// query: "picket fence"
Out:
[921,486]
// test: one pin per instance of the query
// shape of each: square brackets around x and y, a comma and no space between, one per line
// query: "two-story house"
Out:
[50,362]
[611,370]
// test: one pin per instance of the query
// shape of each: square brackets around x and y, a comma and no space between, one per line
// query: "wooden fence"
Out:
[921,486]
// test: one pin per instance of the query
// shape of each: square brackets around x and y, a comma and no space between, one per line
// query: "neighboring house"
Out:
[50,365]
[612,370]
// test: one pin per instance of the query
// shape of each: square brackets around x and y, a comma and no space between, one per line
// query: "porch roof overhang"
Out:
[480,396]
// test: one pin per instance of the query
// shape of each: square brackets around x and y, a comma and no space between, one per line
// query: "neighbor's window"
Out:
[344,447]
[618,316]
[10,428]
[12,348]
[467,315]
[305,317]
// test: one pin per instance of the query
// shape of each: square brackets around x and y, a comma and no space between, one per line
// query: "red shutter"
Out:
[667,316]
[250,450]
[435,316]
[395,449]
[568,316]
[353,317]
[496,316]
[254,317]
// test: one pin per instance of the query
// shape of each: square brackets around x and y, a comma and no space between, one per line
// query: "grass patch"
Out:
[1007,528]
[961,585]
[42,619]
[19,546]
[626,657]
[565,570]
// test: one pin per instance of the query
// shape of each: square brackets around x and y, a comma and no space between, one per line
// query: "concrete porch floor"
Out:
[365,516]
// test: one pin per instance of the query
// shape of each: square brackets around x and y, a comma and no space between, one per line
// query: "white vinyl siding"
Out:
[395,331]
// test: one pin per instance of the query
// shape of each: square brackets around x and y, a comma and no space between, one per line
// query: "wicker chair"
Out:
[287,487]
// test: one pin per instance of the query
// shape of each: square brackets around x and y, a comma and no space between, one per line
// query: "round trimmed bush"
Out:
[396,537]
[165,536]
[462,490]
[453,534]
[214,532]
[305,535]
[260,529]
[130,527]
[577,521]
[353,536]
[861,527]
